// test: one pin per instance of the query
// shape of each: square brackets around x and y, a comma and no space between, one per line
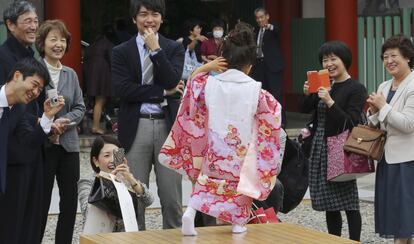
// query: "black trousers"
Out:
[65,166]
[271,82]
[19,207]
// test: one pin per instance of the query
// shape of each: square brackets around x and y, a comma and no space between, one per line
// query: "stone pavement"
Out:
[295,122]
[366,187]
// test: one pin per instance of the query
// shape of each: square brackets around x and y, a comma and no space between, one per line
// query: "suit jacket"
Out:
[271,49]
[127,77]
[397,118]
[26,137]
[11,51]
[74,108]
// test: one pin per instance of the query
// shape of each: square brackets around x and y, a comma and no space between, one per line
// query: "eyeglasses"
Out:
[29,22]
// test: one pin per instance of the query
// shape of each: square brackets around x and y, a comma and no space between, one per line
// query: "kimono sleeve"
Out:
[268,121]
[187,141]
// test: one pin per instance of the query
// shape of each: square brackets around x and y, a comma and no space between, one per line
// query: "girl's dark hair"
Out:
[239,47]
[97,146]
[337,48]
[404,44]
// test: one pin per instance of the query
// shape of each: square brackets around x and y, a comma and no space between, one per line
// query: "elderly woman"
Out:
[62,148]
[102,159]
[392,107]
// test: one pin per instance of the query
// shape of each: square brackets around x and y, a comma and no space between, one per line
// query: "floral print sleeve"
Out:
[186,144]
[268,121]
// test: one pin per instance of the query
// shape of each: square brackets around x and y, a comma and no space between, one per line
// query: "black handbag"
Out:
[104,196]
[293,175]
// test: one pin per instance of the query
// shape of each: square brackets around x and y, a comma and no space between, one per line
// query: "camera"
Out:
[54,101]
[53,96]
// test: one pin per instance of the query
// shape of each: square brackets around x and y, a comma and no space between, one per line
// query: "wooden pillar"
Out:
[69,12]
[283,12]
[341,23]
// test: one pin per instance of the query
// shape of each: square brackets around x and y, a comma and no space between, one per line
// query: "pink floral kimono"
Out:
[225,123]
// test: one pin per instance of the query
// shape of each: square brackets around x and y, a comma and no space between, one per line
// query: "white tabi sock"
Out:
[237,229]
[187,228]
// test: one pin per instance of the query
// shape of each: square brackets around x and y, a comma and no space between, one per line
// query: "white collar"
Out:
[3,98]
[53,68]
[234,75]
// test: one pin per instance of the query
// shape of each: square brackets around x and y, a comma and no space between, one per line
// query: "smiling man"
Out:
[21,21]
[269,63]
[145,71]
[19,133]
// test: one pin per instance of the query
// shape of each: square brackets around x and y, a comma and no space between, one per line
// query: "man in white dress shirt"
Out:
[17,128]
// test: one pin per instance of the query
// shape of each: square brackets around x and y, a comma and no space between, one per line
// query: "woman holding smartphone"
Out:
[102,158]
[62,148]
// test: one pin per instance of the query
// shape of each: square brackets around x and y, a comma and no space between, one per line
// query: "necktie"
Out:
[4,135]
[148,74]
[260,43]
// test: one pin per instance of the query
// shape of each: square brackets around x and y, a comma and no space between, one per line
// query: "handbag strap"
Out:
[344,127]
[364,118]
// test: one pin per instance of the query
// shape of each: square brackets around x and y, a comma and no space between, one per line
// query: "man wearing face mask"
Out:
[210,48]
[269,64]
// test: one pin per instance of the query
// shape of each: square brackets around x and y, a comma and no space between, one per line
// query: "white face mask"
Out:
[218,34]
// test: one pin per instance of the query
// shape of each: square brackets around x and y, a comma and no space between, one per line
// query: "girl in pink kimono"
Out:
[226,137]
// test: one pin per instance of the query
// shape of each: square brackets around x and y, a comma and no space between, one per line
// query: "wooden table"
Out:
[256,233]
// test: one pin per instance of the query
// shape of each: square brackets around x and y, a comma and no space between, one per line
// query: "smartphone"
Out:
[119,155]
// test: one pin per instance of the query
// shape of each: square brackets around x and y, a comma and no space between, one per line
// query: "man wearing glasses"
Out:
[21,21]
[24,181]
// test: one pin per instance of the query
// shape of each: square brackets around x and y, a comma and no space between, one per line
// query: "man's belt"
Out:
[152,116]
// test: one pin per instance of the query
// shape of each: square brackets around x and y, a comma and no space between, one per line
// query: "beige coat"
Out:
[397,118]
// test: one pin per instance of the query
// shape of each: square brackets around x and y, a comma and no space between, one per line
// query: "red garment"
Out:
[209,47]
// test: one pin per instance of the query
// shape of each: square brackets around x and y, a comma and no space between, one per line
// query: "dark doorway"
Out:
[97,13]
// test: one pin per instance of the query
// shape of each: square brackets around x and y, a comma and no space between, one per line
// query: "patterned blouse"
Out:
[84,190]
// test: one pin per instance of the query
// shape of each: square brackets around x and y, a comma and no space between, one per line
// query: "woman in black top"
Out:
[193,41]
[332,107]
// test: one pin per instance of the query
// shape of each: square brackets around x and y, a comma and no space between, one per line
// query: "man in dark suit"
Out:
[269,64]
[20,90]
[25,83]
[21,21]
[145,70]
